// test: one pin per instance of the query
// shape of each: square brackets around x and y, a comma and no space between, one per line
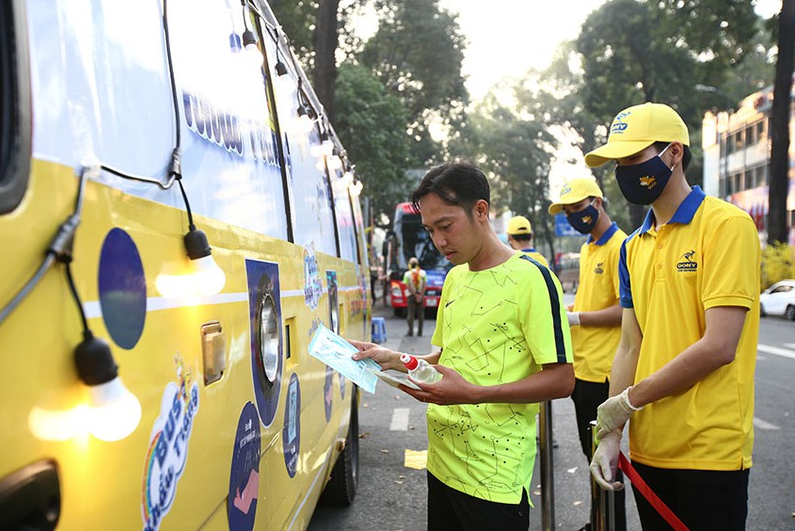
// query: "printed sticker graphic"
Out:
[241,506]
[265,323]
[291,433]
[168,447]
[328,391]
[313,287]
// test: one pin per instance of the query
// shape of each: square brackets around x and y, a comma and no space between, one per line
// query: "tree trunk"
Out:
[326,39]
[779,127]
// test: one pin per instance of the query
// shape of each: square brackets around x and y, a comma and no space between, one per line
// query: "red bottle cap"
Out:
[409,361]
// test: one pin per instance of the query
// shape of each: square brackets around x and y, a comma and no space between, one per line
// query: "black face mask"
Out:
[643,183]
[584,221]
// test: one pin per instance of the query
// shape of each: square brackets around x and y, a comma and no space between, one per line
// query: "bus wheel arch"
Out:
[344,481]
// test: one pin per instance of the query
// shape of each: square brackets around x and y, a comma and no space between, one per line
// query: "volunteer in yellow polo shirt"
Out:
[683,374]
[595,316]
[520,238]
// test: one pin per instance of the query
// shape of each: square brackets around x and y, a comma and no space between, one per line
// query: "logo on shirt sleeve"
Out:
[686,262]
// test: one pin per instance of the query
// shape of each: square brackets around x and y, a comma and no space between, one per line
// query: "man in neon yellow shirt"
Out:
[505,347]
[684,369]
[520,238]
[595,317]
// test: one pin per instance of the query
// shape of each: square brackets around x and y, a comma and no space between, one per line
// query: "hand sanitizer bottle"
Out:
[420,370]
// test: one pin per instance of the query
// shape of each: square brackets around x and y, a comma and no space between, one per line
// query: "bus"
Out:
[567,267]
[409,238]
[179,217]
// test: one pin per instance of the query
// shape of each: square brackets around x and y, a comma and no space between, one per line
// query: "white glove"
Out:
[604,464]
[613,413]
[574,318]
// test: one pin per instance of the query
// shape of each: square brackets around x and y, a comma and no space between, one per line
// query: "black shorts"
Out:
[452,510]
[705,500]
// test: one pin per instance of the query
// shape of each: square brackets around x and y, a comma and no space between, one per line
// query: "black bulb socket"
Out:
[94,361]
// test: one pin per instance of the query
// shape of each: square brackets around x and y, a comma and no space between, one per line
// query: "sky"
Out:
[508,37]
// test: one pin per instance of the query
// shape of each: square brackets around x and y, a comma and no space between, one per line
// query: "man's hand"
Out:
[574,318]
[604,464]
[451,389]
[387,359]
[613,413]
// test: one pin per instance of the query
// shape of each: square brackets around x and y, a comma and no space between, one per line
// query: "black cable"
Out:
[73,289]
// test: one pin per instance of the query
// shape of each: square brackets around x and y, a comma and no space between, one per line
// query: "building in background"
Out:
[737,147]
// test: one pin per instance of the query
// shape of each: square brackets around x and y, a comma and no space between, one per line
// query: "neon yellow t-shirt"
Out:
[495,326]
[595,346]
[707,256]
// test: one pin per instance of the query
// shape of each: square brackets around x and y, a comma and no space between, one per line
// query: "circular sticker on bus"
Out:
[241,506]
[122,289]
[291,433]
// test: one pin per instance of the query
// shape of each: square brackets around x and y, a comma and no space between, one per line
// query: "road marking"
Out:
[786,353]
[400,419]
[763,425]
[790,345]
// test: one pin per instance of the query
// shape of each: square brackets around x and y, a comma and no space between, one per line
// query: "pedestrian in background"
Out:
[683,374]
[504,346]
[595,316]
[520,238]
[415,279]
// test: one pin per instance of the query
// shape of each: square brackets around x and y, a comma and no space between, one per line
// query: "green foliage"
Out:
[371,124]
[636,51]
[417,54]
[297,18]
[778,263]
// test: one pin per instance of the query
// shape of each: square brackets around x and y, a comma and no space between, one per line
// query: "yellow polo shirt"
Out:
[495,326]
[707,256]
[595,346]
[535,255]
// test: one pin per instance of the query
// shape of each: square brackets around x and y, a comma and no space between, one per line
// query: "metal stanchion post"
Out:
[547,478]
[603,502]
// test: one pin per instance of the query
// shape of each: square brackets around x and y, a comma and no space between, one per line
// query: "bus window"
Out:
[342,208]
[14,106]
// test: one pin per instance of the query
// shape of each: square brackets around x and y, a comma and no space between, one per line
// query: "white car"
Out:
[779,299]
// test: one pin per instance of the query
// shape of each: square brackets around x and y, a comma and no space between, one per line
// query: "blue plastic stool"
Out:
[379,330]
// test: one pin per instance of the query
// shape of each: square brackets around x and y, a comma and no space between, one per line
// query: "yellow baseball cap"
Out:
[636,128]
[574,191]
[519,225]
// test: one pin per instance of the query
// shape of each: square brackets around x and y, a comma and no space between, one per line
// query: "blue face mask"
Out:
[643,183]
[584,221]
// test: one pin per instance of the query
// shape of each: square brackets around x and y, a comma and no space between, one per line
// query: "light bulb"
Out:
[327,147]
[334,162]
[114,412]
[207,278]
[251,50]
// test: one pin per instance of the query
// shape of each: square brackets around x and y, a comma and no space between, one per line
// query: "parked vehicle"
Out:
[406,239]
[176,224]
[567,268]
[779,299]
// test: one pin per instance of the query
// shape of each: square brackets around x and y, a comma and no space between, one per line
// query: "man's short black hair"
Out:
[458,183]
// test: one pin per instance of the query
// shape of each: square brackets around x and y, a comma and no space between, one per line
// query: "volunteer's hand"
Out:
[574,318]
[604,464]
[451,389]
[387,359]
[613,413]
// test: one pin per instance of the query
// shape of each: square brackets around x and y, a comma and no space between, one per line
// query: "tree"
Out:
[779,126]
[637,51]
[326,39]
[515,149]
[417,54]
[371,123]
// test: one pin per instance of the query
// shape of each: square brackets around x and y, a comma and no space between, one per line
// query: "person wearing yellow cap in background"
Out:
[683,374]
[595,316]
[520,238]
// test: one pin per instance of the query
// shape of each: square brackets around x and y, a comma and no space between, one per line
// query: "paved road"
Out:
[392,497]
